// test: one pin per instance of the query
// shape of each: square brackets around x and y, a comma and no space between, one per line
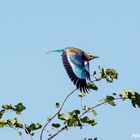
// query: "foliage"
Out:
[109,74]
[78,117]
[133,96]
[16,123]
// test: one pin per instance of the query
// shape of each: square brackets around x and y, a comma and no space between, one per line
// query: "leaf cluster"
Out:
[15,123]
[108,74]
[110,100]
[74,118]
[32,127]
[16,108]
[133,96]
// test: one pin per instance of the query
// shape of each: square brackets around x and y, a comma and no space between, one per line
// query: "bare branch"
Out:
[63,128]
[41,135]
[66,126]
[104,102]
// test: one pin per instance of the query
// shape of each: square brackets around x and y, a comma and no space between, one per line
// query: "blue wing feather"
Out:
[76,69]
[78,66]
[87,71]
[76,59]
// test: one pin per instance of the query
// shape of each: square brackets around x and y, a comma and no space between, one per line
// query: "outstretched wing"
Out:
[77,70]
[87,70]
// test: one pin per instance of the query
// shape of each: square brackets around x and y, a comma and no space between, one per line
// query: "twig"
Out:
[65,127]
[16,131]
[41,135]
[105,101]
[81,101]
[92,108]
[25,128]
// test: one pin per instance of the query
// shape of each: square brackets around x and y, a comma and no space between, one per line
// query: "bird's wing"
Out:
[87,70]
[76,69]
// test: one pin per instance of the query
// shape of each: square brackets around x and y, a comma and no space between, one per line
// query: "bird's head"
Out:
[91,56]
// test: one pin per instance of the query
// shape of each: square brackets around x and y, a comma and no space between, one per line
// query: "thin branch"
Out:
[81,102]
[104,102]
[41,135]
[92,108]
[16,131]
[25,128]
[97,79]
[65,127]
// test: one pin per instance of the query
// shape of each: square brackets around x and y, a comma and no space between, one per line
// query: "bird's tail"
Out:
[55,51]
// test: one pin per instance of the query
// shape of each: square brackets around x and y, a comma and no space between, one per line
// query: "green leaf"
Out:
[37,126]
[81,95]
[109,74]
[86,108]
[109,79]
[34,126]
[19,124]
[94,112]
[92,86]
[7,106]
[110,100]
[2,123]
[74,112]
[88,121]
[124,94]
[134,97]
[112,103]
[62,117]
[13,121]
[1,113]
[19,108]
[92,122]
[71,122]
[56,125]
[84,119]
[77,111]
[114,94]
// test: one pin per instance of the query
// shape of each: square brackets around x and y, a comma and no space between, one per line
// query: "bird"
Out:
[76,64]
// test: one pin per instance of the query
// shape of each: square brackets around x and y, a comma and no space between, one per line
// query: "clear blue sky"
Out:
[29,28]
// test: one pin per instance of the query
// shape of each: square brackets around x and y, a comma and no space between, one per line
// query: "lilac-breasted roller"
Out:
[76,64]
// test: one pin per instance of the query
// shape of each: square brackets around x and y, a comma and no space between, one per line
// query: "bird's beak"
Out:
[95,57]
